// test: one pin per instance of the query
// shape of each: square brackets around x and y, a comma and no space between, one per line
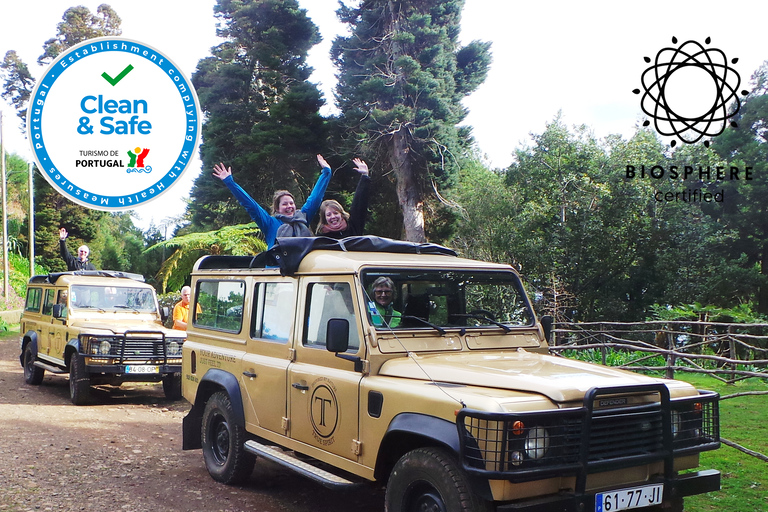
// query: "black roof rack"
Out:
[288,252]
[54,276]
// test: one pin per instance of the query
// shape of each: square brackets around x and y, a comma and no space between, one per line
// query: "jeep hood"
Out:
[121,326]
[559,379]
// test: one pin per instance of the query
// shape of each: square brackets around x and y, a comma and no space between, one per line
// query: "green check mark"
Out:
[113,81]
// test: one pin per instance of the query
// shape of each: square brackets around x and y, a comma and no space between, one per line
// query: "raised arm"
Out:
[316,197]
[358,211]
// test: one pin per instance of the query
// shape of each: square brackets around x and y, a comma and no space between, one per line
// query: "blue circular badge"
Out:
[113,123]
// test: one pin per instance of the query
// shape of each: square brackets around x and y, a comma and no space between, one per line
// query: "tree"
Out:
[402,76]
[262,115]
[744,212]
[237,240]
[78,25]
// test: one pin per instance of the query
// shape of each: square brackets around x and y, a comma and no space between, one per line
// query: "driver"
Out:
[383,314]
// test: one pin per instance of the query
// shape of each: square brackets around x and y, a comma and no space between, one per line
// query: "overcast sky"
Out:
[583,58]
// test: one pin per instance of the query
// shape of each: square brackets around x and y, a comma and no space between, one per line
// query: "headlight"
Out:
[536,442]
[173,349]
[104,347]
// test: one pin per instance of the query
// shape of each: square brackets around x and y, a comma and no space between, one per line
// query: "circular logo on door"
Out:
[113,123]
[324,411]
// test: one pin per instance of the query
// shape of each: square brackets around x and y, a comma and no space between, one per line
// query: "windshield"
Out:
[439,299]
[113,298]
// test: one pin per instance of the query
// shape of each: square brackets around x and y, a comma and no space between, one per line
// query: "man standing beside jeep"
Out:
[79,263]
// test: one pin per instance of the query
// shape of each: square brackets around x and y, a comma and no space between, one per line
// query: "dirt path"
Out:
[124,453]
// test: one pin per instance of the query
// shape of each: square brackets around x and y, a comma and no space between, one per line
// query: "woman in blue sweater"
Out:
[285,219]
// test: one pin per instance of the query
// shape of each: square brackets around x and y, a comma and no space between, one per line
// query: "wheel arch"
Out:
[409,431]
[29,338]
[213,381]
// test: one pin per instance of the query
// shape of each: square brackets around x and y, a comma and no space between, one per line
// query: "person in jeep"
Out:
[383,313]
[79,263]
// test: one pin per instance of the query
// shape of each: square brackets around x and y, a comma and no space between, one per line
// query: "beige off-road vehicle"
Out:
[101,327]
[451,399]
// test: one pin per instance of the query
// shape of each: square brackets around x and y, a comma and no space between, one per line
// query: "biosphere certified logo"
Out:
[687,91]
[113,123]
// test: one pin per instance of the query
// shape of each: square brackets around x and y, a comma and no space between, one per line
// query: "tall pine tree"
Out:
[402,76]
[262,115]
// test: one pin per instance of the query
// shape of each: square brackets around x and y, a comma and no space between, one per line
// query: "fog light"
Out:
[516,458]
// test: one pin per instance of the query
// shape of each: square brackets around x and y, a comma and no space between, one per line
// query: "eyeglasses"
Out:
[382,292]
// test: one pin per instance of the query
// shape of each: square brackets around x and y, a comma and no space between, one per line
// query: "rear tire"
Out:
[172,386]
[429,479]
[223,439]
[79,381]
[32,374]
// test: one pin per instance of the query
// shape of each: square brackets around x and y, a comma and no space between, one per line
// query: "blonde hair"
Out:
[334,205]
[276,199]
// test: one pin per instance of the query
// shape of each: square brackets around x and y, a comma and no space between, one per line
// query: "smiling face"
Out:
[333,218]
[286,206]
[382,294]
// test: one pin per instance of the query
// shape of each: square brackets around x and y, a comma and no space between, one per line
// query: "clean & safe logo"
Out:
[96,113]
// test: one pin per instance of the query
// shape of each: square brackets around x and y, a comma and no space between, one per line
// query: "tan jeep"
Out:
[451,399]
[101,327]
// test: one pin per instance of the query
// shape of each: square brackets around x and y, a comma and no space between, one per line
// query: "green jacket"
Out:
[382,315]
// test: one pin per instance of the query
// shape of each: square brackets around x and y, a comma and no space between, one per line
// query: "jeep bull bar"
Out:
[604,434]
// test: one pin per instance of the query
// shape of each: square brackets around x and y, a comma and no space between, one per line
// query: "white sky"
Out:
[583,58]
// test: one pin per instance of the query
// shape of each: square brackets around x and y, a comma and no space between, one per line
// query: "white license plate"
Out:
[142,369]
[625,499]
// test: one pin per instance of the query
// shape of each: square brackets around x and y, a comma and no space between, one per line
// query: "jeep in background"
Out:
[101,327]
[456,406]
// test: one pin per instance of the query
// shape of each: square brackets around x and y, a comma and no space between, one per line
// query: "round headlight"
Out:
[173,349]
[104,347]
[536,442]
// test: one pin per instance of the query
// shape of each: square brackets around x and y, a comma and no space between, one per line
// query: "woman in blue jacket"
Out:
[285,220]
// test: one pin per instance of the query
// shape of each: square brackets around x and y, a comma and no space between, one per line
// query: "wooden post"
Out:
[671,358]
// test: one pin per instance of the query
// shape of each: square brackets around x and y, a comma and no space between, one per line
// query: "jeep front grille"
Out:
[147,347]
[533,445]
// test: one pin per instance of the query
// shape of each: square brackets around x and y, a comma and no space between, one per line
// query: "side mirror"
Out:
[165,312]
[337,335]
[547,323]
[58,310]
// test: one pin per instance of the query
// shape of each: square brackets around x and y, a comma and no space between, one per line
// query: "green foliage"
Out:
[235,240]
[610,357]
[402,76]
[742,313]
[262,115]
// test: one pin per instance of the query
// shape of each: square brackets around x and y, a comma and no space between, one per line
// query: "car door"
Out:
[268,354]
[324,392]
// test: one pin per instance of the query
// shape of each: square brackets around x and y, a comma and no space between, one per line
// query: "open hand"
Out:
[322,162]
[221,172]
[63,234]
[360,166]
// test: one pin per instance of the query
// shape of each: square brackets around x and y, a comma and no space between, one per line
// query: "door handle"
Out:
[301,387]
[249,374]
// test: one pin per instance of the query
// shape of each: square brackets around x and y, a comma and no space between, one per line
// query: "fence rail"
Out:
[728,352]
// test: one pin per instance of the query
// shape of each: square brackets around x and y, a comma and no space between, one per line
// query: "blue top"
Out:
[267,223]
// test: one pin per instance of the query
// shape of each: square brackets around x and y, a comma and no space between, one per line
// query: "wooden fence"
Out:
[725,351]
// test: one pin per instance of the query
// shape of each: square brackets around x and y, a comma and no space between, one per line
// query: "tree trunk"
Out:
[408,193]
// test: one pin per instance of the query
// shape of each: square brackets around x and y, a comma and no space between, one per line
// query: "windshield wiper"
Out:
[483,318]
[426,322]
[123,306]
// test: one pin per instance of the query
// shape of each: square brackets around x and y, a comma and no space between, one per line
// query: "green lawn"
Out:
[743,421]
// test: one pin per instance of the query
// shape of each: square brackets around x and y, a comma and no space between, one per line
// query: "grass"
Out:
[744,484]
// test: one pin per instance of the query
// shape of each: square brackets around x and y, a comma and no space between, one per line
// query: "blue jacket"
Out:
[269,224]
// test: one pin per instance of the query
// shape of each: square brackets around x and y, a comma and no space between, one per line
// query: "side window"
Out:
[34,296]
[277,311]
[220,305]
[326,301]
[48,303]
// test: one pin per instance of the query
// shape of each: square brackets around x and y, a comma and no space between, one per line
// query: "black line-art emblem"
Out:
[709,118]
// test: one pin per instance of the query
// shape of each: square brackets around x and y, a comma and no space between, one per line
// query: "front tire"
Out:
[430,480]
[172,386]
[32,374]
[79,381]
[222,439]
